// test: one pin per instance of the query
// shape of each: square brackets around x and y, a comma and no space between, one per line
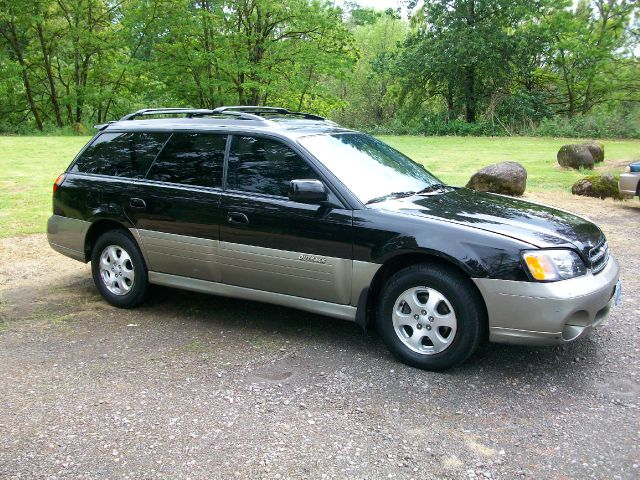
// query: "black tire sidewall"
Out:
[138,292]
[458,290]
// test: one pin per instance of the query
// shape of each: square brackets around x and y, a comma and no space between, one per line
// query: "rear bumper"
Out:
[531,313]
[628,184]
[66,236]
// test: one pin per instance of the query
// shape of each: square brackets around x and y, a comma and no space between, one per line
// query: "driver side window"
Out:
[263,165]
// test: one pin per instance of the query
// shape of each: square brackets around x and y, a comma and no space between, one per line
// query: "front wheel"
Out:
[431,317]
[118,270]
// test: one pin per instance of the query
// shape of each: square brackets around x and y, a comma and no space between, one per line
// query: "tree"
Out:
[590,45]
[371,88]
[16,22]
[253,51]
[463,50]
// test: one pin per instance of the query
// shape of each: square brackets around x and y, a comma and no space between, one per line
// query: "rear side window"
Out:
[121,154]
[191,159]
[265,166]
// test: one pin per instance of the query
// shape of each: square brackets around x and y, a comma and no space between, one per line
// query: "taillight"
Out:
[58,182]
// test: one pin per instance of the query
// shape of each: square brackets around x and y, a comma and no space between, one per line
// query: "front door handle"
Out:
[137,204]
[237,218]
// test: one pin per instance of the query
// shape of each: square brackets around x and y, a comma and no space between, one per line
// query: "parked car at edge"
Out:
[265,204]
[629,183]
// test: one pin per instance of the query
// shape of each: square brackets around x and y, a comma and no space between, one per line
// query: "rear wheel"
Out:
[431,317]
[118,269]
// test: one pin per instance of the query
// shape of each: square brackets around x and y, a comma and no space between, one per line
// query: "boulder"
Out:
[599,186]
[597,151]
[508,178]
[575,156]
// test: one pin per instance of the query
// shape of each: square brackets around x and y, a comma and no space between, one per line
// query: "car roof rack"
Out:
[258,110]
[165,111]
[189,113]
[243,112]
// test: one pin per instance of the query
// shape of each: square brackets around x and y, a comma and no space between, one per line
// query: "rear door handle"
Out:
[237,218]
[137,204]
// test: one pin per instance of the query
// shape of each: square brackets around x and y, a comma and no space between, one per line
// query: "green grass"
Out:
[455,159]
[29,165]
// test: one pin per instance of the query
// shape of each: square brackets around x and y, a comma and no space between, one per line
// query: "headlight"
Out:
[551,265]
[627,169]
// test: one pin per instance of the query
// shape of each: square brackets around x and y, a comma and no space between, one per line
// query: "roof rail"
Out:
[190,113]
[245,112]
[167,111]
[238,113]
[257,110]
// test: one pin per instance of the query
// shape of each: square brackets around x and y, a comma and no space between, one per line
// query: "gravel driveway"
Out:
[195,386]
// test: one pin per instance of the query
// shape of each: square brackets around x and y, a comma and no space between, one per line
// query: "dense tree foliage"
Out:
[455,66]
[513,63]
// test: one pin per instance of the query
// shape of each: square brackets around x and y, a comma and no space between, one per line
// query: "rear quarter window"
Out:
[191,159]
[120,154]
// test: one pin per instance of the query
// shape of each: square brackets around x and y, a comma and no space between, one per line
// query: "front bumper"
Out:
[628,184]
[532,313]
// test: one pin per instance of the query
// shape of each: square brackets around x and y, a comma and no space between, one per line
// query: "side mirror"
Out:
[307,191]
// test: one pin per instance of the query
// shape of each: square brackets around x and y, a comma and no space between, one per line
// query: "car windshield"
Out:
[371,169]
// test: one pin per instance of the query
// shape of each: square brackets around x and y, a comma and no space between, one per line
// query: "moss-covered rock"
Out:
[575,156]
[598,186]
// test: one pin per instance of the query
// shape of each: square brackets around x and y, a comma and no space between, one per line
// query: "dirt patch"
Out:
[612,165]
[29,258]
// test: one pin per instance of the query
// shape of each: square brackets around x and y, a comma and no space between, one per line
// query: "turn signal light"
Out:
[58,182]
[541,267]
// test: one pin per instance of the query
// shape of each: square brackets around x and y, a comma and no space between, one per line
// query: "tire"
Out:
[451,317]
[118,269]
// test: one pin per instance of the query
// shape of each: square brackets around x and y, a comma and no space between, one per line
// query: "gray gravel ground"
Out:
[195,386]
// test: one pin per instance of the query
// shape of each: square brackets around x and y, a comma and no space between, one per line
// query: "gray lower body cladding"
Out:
[532,313]
[298,274]
[519,312]
[67,235]
[344,312]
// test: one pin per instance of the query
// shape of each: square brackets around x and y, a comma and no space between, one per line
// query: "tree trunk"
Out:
[52,83]
[12,37]
[604,18]
[469,71]
[450,103]
[29,90]
[565,75]
[304,90]
[469,94]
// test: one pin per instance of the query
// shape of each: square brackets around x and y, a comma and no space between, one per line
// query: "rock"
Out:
[598,186]
[575,156]
[509,178]
[597,151]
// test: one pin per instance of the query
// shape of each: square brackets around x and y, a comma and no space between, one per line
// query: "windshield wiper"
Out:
[390,196]
[432,188]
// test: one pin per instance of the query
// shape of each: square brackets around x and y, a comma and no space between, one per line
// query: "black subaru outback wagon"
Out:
[290,208]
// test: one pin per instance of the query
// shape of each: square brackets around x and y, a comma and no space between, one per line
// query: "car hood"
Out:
[533,223]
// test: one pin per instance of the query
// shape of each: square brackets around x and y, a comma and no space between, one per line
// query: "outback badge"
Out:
[311,258]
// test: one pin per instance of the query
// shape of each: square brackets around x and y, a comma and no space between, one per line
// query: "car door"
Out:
[176,208]
[105,174]
[268,242]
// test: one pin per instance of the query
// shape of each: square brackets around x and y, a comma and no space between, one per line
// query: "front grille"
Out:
[599,256]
